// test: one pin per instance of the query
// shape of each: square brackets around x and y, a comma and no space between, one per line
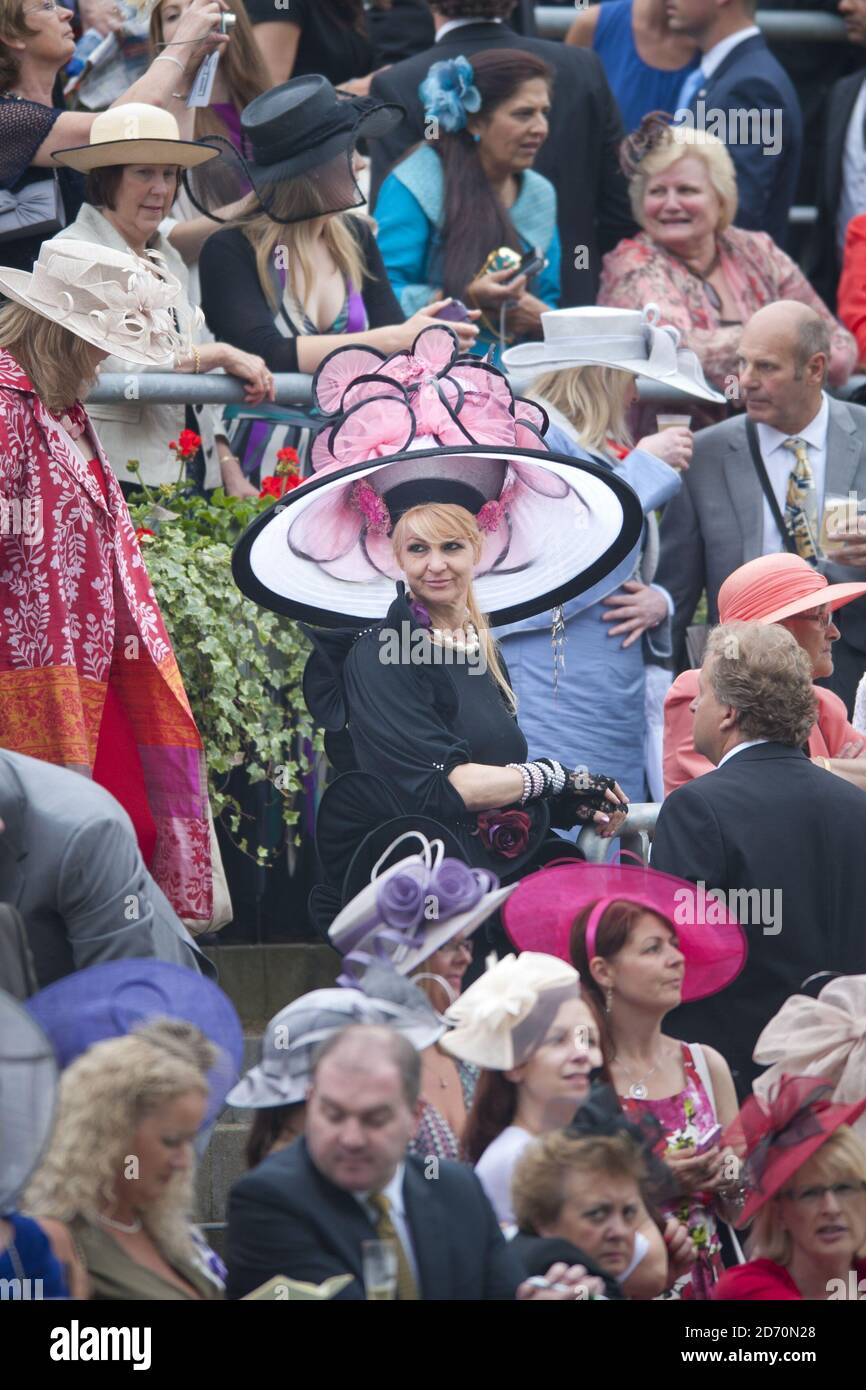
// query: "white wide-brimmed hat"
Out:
[115,300]
[415,907]
[631,340]
[429,426]
[135,134]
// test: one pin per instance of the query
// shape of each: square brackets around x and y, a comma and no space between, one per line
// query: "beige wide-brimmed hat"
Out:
[135,134]
[631,340]
[115,300]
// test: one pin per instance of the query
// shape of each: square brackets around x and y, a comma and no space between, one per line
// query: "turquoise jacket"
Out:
[409,214]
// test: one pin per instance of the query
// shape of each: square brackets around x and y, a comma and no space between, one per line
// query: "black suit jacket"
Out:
[769,820]
[824,264]
[750,78]
[284,1217]
[407,28]
[579,156]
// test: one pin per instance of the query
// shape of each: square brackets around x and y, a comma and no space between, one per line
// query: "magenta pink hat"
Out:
[540,914]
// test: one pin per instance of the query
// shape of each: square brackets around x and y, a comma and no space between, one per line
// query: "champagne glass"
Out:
[379,1262]
[673,422]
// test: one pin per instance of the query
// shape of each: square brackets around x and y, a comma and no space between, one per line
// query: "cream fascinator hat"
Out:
[503,1017]
[824,1038]
[115,300]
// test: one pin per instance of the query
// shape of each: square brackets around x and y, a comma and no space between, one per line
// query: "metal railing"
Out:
[635,838]
[294,389]
[554,22]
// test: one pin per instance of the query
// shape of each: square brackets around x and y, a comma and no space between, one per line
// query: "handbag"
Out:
[35,210]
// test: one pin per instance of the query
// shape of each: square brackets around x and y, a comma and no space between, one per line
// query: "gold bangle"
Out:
[197,360]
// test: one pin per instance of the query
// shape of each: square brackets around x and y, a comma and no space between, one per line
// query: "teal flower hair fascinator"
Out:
[449,93]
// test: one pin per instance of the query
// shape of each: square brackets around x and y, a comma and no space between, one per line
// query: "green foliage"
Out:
[241,665]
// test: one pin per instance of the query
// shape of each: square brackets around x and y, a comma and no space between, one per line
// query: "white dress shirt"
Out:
[461,23]
[740,748]
[852,199]
[779,461]
[716,55]
[394,1194]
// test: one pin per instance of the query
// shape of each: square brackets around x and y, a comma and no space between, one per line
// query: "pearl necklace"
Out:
[131,1230]
[445,638]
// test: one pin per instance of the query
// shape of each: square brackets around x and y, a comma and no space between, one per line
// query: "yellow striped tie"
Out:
[407,1289]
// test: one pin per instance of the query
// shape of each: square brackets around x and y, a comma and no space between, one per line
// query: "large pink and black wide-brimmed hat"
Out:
[428,426]
[540,914]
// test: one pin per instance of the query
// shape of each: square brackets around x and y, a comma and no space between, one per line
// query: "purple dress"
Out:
[685,1117]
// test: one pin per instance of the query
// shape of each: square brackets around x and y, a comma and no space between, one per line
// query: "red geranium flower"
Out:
[187,446]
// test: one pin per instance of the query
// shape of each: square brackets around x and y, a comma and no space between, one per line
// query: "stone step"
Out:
[223,1163]
[261,980]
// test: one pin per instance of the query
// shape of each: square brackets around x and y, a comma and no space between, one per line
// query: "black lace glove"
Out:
[583,796]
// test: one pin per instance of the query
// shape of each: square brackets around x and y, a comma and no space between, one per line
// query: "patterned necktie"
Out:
[407,1289]
[801,502]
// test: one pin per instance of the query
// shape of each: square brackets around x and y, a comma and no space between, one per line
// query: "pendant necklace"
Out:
[638,1090]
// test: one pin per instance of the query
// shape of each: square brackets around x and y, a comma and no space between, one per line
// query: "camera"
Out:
[227,21]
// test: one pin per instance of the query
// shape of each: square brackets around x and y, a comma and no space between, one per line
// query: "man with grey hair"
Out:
[306,1211]
[770,836]
[760,482]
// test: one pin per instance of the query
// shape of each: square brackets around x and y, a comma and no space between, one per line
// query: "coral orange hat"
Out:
[774,587]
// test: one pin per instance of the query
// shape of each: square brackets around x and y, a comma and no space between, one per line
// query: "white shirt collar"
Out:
[740,748]
[393,1191]
[815,433]
[719,51]
[460,23]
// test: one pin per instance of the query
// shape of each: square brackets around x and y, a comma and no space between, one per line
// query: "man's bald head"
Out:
[793,327]
[782,365]
[362,1047]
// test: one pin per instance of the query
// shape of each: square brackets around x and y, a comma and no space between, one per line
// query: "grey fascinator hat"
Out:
[292,1037]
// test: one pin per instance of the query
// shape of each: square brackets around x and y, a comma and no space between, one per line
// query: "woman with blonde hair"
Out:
[429,472]
[707,276]
[88,678]
[119,1171]
[804,1181]
[583,375]
[297,275]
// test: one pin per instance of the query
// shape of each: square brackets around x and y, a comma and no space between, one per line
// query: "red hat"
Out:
[774,587]
[540,914]
[780,1135]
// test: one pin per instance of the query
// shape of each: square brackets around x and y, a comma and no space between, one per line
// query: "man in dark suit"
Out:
[305,1212]
[406,28]
[580,155]
[781,839]
[721,518]
[842,178]
[743,95]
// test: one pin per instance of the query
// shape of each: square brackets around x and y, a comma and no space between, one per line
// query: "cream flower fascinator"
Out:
[503,1017]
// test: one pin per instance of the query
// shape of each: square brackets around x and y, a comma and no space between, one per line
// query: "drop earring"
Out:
[609,999]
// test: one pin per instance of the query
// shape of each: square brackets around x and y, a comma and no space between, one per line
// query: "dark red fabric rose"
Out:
[504,832]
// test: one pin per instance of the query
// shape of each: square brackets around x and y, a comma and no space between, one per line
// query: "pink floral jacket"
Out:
[638,271]
[77,609]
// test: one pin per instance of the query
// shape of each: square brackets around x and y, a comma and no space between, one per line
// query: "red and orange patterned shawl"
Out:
[76,606]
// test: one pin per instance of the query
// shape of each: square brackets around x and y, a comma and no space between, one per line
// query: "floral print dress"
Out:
[685,1118]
